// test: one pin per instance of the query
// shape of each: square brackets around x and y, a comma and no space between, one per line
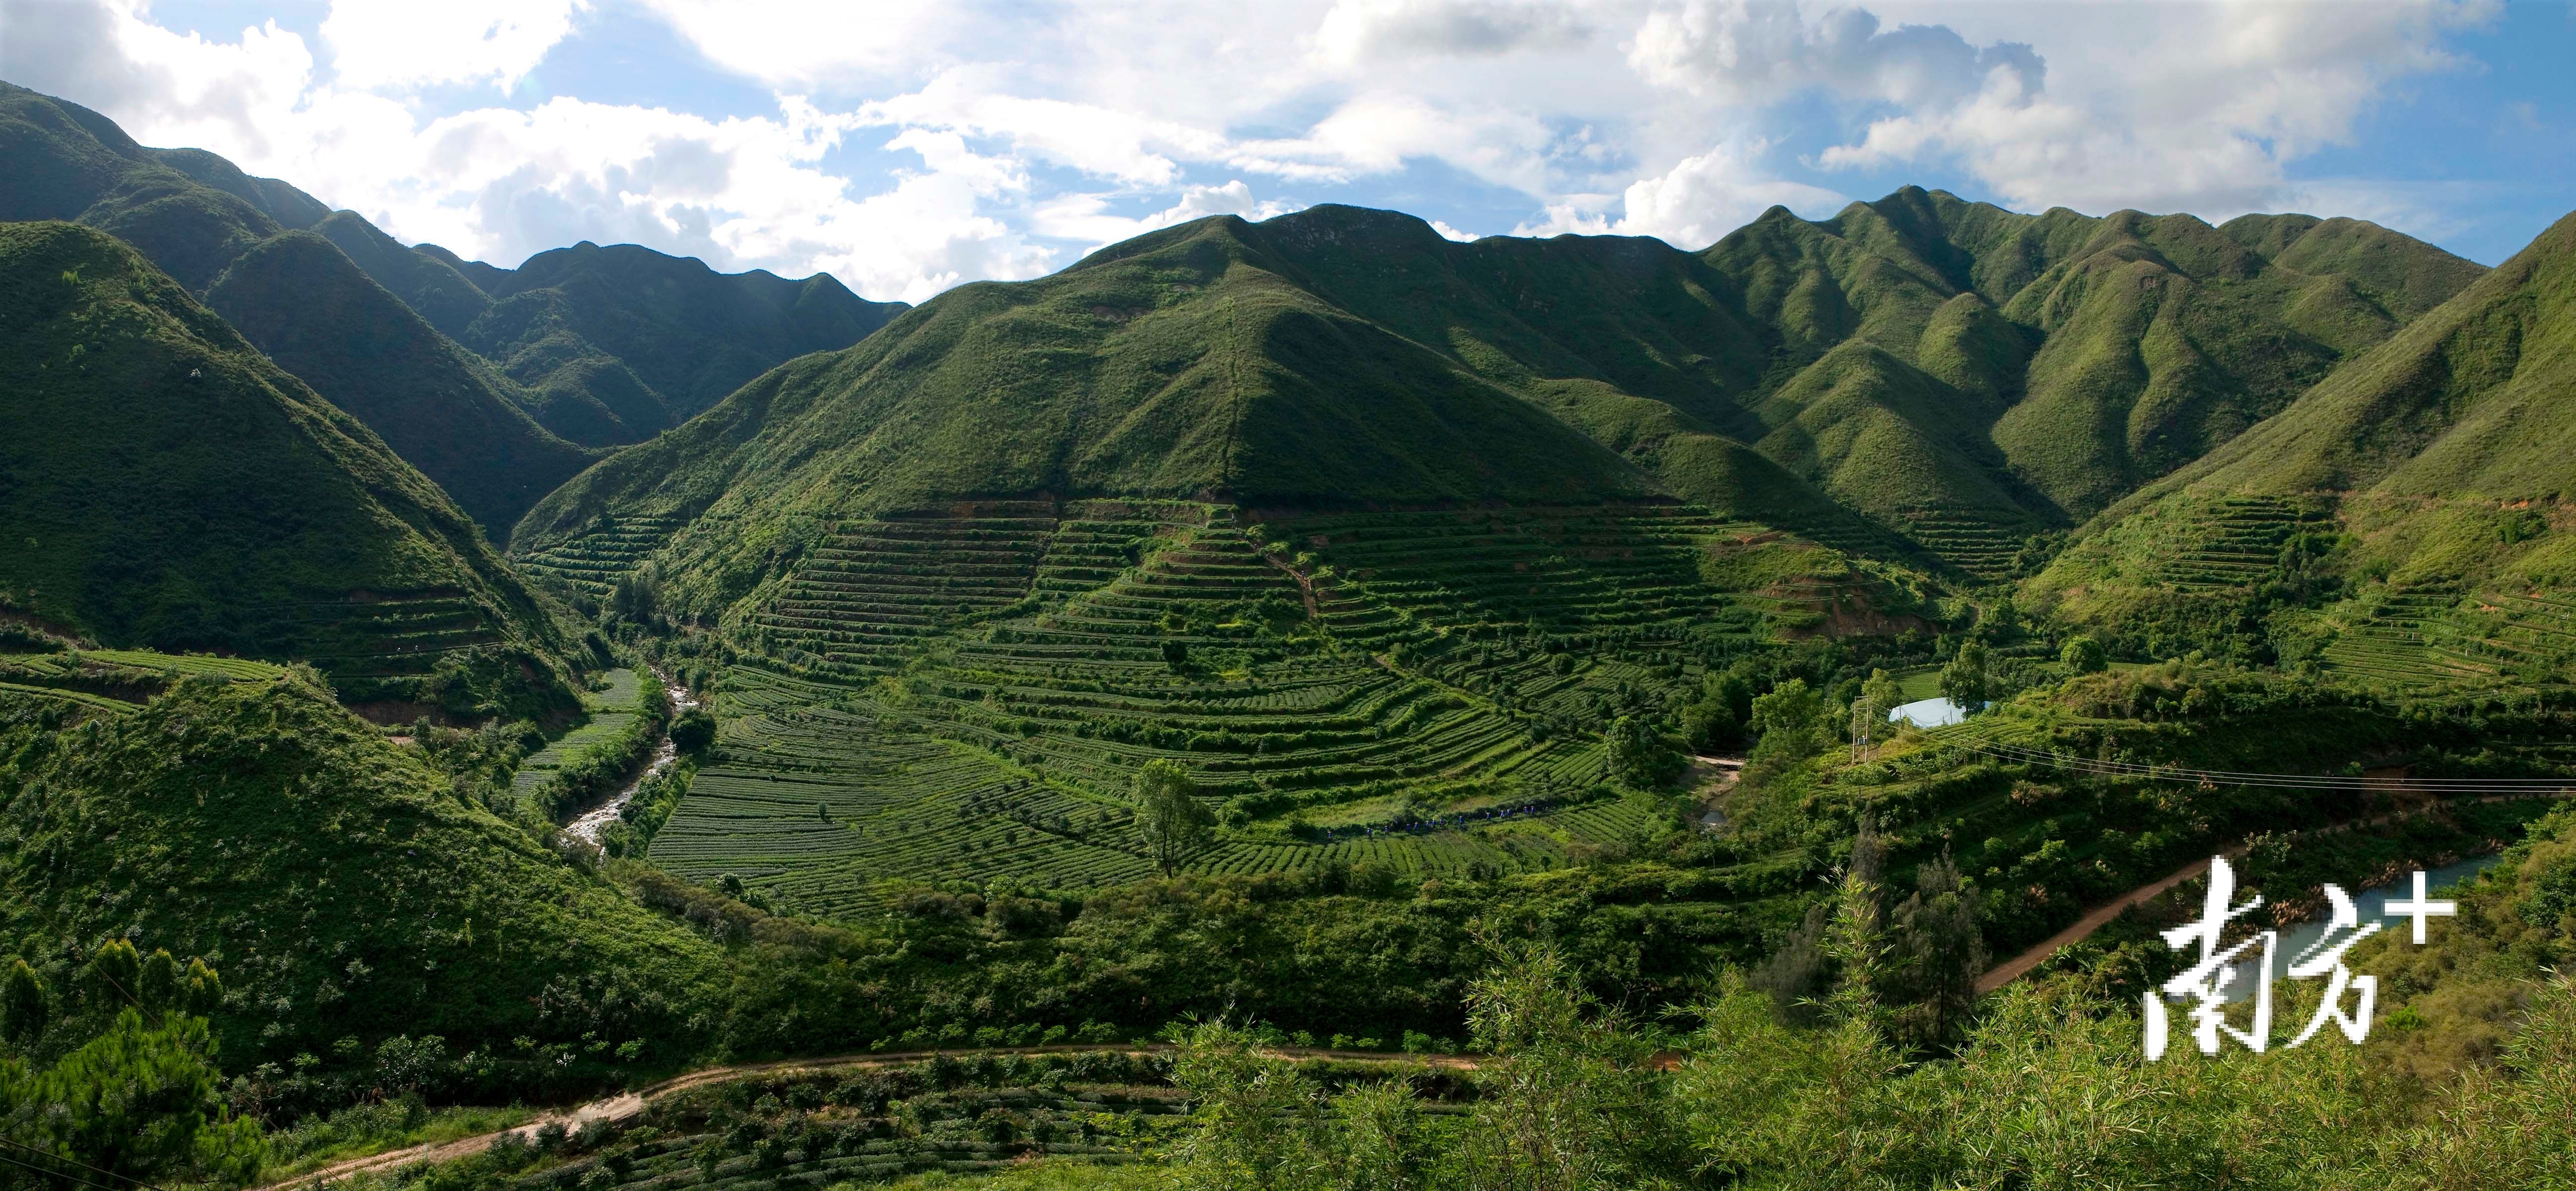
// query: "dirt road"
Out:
[627,1106]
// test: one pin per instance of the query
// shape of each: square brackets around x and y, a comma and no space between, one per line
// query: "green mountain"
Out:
[1917,377]
[2419,490]
[346,888]
[656,339]
[600,346]
[443,409]
[1967,374]
[1191,361]
[164,484]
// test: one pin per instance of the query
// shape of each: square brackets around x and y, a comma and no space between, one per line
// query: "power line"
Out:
[52,1173]
[2023,755]
[16,1144]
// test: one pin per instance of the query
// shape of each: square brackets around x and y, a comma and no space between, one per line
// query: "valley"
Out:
[1297,686]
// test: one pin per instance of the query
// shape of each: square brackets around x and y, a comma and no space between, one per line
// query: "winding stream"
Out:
[596,819]
[2371,905]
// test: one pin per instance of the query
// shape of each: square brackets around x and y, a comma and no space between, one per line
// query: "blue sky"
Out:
[907,147]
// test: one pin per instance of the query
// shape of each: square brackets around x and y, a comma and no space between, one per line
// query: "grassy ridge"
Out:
[166,485]
[2403,521]
[300,300]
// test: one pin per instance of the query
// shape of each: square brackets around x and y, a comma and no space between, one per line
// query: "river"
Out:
[2372,905]
[596,819]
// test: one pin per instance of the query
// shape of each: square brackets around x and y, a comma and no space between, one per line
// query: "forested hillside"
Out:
[2402,522]
[487,384]
[163,484]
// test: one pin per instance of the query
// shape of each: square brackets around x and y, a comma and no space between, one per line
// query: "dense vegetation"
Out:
[601,346]
[1261,640]
[442,409]
[163,484]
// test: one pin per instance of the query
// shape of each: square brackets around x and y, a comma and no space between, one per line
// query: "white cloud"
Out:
[182,88]
[404,43]
[1758,51]
[999,136]
[810,43]
[1690,206]
[1086,218]
[1704,197]
[1356,31]
[1450,233]
[2199,107]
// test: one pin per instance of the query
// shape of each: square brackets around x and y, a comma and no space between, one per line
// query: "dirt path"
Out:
[2020,965]
[626,1106]
[2100,916]
[1710,778]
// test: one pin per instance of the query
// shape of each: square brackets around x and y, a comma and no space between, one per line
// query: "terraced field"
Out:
[371,640]
[2203,544]
[1973,544]
[2445,634]
[115,680]
[610,547]
[611,710]
[969,690]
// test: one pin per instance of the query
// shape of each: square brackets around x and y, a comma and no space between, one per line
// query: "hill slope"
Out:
[1916,374]
[687,333]
[444,410]
[1191,364]
[346,889]
[2423,485]
[614,345]
[163,484]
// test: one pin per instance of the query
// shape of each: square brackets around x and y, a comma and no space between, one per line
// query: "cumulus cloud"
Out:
[1703,197]
[185,89]
[911,144]
[1363,30]
[1086,218]
[1759,51]
[402,43]
[1690,206]
[2201,108]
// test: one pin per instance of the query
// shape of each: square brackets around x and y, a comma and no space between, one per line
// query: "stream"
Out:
[2372,906]
[596,819]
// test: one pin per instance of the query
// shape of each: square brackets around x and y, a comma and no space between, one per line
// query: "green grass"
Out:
[360,1130]
[226,508]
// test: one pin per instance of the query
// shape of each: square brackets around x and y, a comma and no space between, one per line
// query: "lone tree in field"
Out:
[1169,818]
[1964,682]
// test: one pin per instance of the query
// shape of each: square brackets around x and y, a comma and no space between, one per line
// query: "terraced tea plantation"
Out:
[114,681]
[611,711]
[969,691]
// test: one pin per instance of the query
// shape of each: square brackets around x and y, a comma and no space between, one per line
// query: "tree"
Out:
[407,1065]
[1639,755]
[1169,817]
[1566,1101]
[23,1008]
[1176,655]
[1709,725]
[1784,721]
[2084,655]
[1963,681]
[693,731]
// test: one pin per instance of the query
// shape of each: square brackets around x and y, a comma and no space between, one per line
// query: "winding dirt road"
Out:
[626,1106]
